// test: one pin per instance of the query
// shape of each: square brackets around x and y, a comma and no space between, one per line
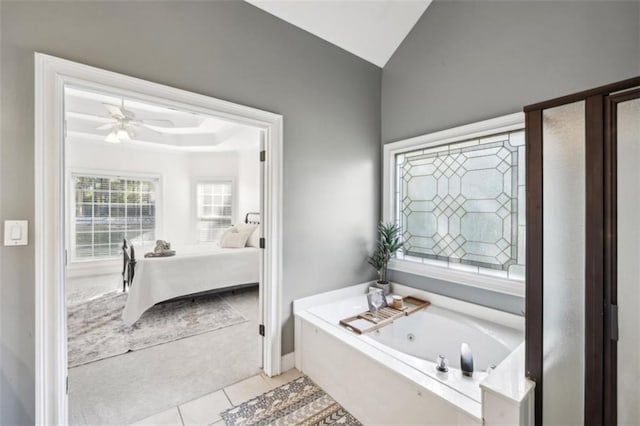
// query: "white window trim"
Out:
[480,129]
[194,203]
[73,263]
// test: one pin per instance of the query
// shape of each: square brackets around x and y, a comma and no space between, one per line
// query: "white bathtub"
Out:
[417,340]
[389,376]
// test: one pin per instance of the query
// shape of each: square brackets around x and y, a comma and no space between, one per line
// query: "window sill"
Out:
[485,282]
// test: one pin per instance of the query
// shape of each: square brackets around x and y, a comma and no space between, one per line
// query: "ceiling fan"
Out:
[124,120]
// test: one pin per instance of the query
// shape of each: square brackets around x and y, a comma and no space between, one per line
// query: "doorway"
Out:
[582,237]
[53,75]
[142,319]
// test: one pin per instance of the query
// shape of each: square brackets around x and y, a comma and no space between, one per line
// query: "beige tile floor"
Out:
[206,409]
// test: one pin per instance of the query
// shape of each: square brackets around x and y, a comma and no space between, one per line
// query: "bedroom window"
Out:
[108,209]
[214,208]
[459,200]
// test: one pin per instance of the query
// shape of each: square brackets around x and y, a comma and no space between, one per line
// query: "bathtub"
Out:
[417,340]
[389,376]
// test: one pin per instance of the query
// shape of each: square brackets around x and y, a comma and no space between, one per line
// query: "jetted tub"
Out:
[389,376]
[418,339]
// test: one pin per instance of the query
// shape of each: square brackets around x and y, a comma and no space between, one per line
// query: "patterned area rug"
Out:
[96,330]
[299,402]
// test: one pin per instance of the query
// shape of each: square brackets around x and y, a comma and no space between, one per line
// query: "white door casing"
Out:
[51,76]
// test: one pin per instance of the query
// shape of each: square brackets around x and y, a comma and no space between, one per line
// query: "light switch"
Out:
[16,232]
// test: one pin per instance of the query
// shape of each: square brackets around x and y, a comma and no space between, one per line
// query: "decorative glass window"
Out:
[214,209]
[461,205]
[108,209]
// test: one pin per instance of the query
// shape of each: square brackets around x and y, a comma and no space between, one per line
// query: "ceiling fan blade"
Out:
[130,115]
[106,126]
[158,122]
[148,127]
[115,111]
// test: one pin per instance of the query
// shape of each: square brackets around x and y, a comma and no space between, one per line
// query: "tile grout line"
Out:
[180,414]
[227,396]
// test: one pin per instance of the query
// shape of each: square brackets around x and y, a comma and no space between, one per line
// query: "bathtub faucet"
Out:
[466,360]
[441,366]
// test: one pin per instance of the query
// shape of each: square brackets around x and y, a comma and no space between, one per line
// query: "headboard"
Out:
[128,264]
[252,218]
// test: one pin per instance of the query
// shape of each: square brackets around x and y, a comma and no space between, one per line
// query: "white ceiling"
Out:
[165,128]
[370,29]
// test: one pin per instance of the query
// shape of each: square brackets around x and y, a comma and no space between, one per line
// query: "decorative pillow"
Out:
[225,233]
[246,227]
[254,239]
[234,239]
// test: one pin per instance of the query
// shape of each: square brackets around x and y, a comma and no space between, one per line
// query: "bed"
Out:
[192,271]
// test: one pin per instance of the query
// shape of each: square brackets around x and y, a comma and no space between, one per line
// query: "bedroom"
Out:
[139,326]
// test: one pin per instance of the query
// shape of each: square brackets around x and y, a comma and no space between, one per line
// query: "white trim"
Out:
[51,75]
[480,129]
[288,361]
[94,268]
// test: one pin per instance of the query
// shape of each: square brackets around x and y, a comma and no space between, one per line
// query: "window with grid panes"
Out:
[463,203]
[108,209]
[214,209]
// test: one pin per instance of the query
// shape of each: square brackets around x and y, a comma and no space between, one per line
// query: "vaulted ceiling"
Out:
[370,29]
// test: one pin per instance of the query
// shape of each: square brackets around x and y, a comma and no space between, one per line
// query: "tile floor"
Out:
[206,409]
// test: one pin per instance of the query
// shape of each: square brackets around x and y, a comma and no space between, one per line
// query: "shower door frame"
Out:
[610,353]
[600,365]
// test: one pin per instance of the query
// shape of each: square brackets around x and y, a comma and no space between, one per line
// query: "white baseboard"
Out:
[288,361]
[88,269]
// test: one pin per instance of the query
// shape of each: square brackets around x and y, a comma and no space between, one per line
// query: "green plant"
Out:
[388,244]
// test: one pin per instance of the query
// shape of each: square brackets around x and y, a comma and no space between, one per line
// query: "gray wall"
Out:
[491,299]
[331,106]
[469,61]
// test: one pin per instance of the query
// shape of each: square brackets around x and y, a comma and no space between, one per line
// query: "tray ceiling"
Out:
[89,116]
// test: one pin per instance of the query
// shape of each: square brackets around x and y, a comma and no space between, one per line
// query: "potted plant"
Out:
[388,244]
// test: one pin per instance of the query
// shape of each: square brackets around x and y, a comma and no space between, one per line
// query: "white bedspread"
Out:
[191,270]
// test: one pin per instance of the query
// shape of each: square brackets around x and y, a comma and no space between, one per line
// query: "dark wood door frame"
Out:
[594,255]
[600,249]
[534,288]
[610,301]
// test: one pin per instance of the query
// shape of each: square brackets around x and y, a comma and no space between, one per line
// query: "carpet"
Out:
[96,330]
[299,402]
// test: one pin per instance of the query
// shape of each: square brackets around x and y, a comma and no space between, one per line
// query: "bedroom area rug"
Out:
[96,330]
[300,402]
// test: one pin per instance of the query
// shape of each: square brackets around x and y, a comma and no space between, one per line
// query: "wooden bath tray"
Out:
[365,322]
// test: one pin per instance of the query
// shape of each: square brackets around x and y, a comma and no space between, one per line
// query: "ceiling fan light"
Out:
[112,137]
[123,134]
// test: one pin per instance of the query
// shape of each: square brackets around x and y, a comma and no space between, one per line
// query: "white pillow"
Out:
[246,227]
[224,234]
[254,239]
[234,239]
